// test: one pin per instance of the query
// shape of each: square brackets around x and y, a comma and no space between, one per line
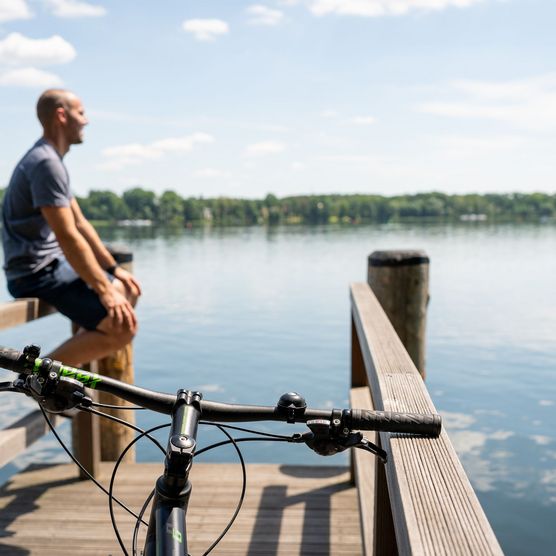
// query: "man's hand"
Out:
[128,280]
[119,308]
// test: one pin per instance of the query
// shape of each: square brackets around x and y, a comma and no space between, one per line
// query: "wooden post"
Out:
[358,372]
[85,433]
[97,439]
[400,281]
[119,365]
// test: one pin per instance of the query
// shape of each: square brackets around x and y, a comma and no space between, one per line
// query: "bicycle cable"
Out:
[122,422]
[78,463]
[252,431]
[244,439]
[139,518]
[109,406]
[138,522]
[243,489]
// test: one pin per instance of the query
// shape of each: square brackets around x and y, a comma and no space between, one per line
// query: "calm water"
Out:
[245,314]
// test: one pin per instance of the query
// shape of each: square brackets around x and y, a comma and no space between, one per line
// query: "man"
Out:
[52,252]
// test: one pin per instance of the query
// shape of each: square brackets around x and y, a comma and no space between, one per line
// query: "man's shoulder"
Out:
[42,157]
[39,152]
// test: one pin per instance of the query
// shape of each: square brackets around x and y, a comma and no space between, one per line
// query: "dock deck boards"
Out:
[287,510]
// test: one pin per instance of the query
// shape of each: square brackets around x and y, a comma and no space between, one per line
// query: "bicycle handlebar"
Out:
[28,363]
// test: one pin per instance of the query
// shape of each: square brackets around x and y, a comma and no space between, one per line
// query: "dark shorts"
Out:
[59,285]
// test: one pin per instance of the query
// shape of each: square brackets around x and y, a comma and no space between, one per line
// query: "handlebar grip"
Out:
[11,359]
[386,421]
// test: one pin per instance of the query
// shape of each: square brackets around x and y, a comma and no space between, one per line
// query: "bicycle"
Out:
[59,388]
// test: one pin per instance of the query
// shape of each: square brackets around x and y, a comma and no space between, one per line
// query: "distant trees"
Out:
[171,209]
[142,204]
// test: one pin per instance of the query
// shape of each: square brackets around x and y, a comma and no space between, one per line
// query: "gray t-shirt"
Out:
[39,180]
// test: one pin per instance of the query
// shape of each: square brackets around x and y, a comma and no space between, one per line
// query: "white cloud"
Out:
[264,148]
[206,29]
[362,120]
[549,477]
[11,10]
[120,156]
[17,49]
[527,104]
[75,8]
[541,440]
[210,173]
[133,151]
[379,8]
[262,15]
[546,402]
[182,144]
[210,388]
[29,77]
[457,420]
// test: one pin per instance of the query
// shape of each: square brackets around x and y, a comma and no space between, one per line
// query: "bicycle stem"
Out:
[167,530]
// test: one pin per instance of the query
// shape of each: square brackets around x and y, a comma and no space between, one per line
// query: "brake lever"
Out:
[56,394]
[368,446]
[326,439]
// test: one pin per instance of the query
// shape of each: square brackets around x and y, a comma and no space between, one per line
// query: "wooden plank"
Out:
[288,510]
[23,310]
[365,474]
[17,437]
[434,507]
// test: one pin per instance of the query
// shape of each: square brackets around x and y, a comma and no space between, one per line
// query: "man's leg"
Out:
[88,345]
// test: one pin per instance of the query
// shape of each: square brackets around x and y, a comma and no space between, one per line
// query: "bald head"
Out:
[49,102]
[62,116]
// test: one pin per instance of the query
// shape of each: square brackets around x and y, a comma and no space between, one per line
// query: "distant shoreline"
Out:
[141,207]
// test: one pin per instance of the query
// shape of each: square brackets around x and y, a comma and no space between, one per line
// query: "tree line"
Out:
[171,208]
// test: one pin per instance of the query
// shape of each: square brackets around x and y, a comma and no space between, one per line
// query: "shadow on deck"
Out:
[304,510]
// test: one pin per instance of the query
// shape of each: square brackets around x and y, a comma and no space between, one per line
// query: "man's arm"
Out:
[81,257]
[102,255]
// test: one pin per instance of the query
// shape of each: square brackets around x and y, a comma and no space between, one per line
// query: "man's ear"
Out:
[61,115]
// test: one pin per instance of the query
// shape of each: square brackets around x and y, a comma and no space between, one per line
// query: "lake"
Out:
[245,314]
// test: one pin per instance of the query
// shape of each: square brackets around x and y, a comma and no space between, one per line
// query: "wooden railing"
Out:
[93,441]
[421,501]
[18,436]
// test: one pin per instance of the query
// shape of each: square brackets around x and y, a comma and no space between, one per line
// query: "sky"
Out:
[238,98]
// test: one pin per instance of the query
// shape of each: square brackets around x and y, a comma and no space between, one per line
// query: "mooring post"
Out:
[400,281]
[119,365]
[97,439]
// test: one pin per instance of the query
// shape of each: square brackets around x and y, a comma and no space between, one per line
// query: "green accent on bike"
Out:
[37,366]
[90,380]
[176,535]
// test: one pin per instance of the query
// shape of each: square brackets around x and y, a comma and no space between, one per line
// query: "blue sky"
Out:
[216,97]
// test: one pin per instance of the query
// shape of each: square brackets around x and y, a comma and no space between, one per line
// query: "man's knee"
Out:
[116,336]
[120,338]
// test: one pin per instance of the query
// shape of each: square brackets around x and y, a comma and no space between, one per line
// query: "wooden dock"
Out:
[421,503]
[287,510]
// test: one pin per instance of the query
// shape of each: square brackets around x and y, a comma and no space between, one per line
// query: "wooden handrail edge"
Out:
[23,310]
[371,323]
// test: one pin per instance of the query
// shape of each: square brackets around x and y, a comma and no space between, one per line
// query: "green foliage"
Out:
[171,209]
[141,204]
[103,205]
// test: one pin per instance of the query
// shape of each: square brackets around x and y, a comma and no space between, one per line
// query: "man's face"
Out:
[75,121]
